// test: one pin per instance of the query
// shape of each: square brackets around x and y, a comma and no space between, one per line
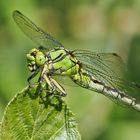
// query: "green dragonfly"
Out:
[100,72]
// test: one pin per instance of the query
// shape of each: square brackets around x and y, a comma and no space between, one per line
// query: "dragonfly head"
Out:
[35,59]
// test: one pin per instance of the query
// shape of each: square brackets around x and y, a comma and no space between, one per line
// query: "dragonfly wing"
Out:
[35,33]
[108,69]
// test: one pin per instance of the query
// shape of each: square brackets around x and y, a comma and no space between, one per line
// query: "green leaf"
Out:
[30,117]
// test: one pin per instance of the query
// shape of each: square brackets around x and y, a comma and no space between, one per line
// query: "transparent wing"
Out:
[107,68]
[35,33]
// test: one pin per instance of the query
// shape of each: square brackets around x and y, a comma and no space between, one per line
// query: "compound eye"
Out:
[40,59]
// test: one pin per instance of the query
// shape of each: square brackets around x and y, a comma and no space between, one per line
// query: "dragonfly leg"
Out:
[63,93]
[47,79]
[53,84]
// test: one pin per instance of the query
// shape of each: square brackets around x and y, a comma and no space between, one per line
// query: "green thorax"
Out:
[62,62]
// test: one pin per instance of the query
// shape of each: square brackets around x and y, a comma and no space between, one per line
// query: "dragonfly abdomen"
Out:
[87,81]
[121,97]
[118,96]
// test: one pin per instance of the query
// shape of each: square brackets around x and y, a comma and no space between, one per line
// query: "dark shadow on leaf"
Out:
[54,101]
[47,98]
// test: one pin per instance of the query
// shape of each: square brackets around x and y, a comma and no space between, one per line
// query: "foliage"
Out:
[32,117]
[95,25]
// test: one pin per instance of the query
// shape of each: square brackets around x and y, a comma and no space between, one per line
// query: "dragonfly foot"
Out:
[63,94]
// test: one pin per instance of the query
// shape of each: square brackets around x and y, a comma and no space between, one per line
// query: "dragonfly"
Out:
[99,72]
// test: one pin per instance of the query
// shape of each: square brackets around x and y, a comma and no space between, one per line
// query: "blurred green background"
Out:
[96,25]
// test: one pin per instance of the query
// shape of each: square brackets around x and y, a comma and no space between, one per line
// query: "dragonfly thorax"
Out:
[61,62]
[35,59]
